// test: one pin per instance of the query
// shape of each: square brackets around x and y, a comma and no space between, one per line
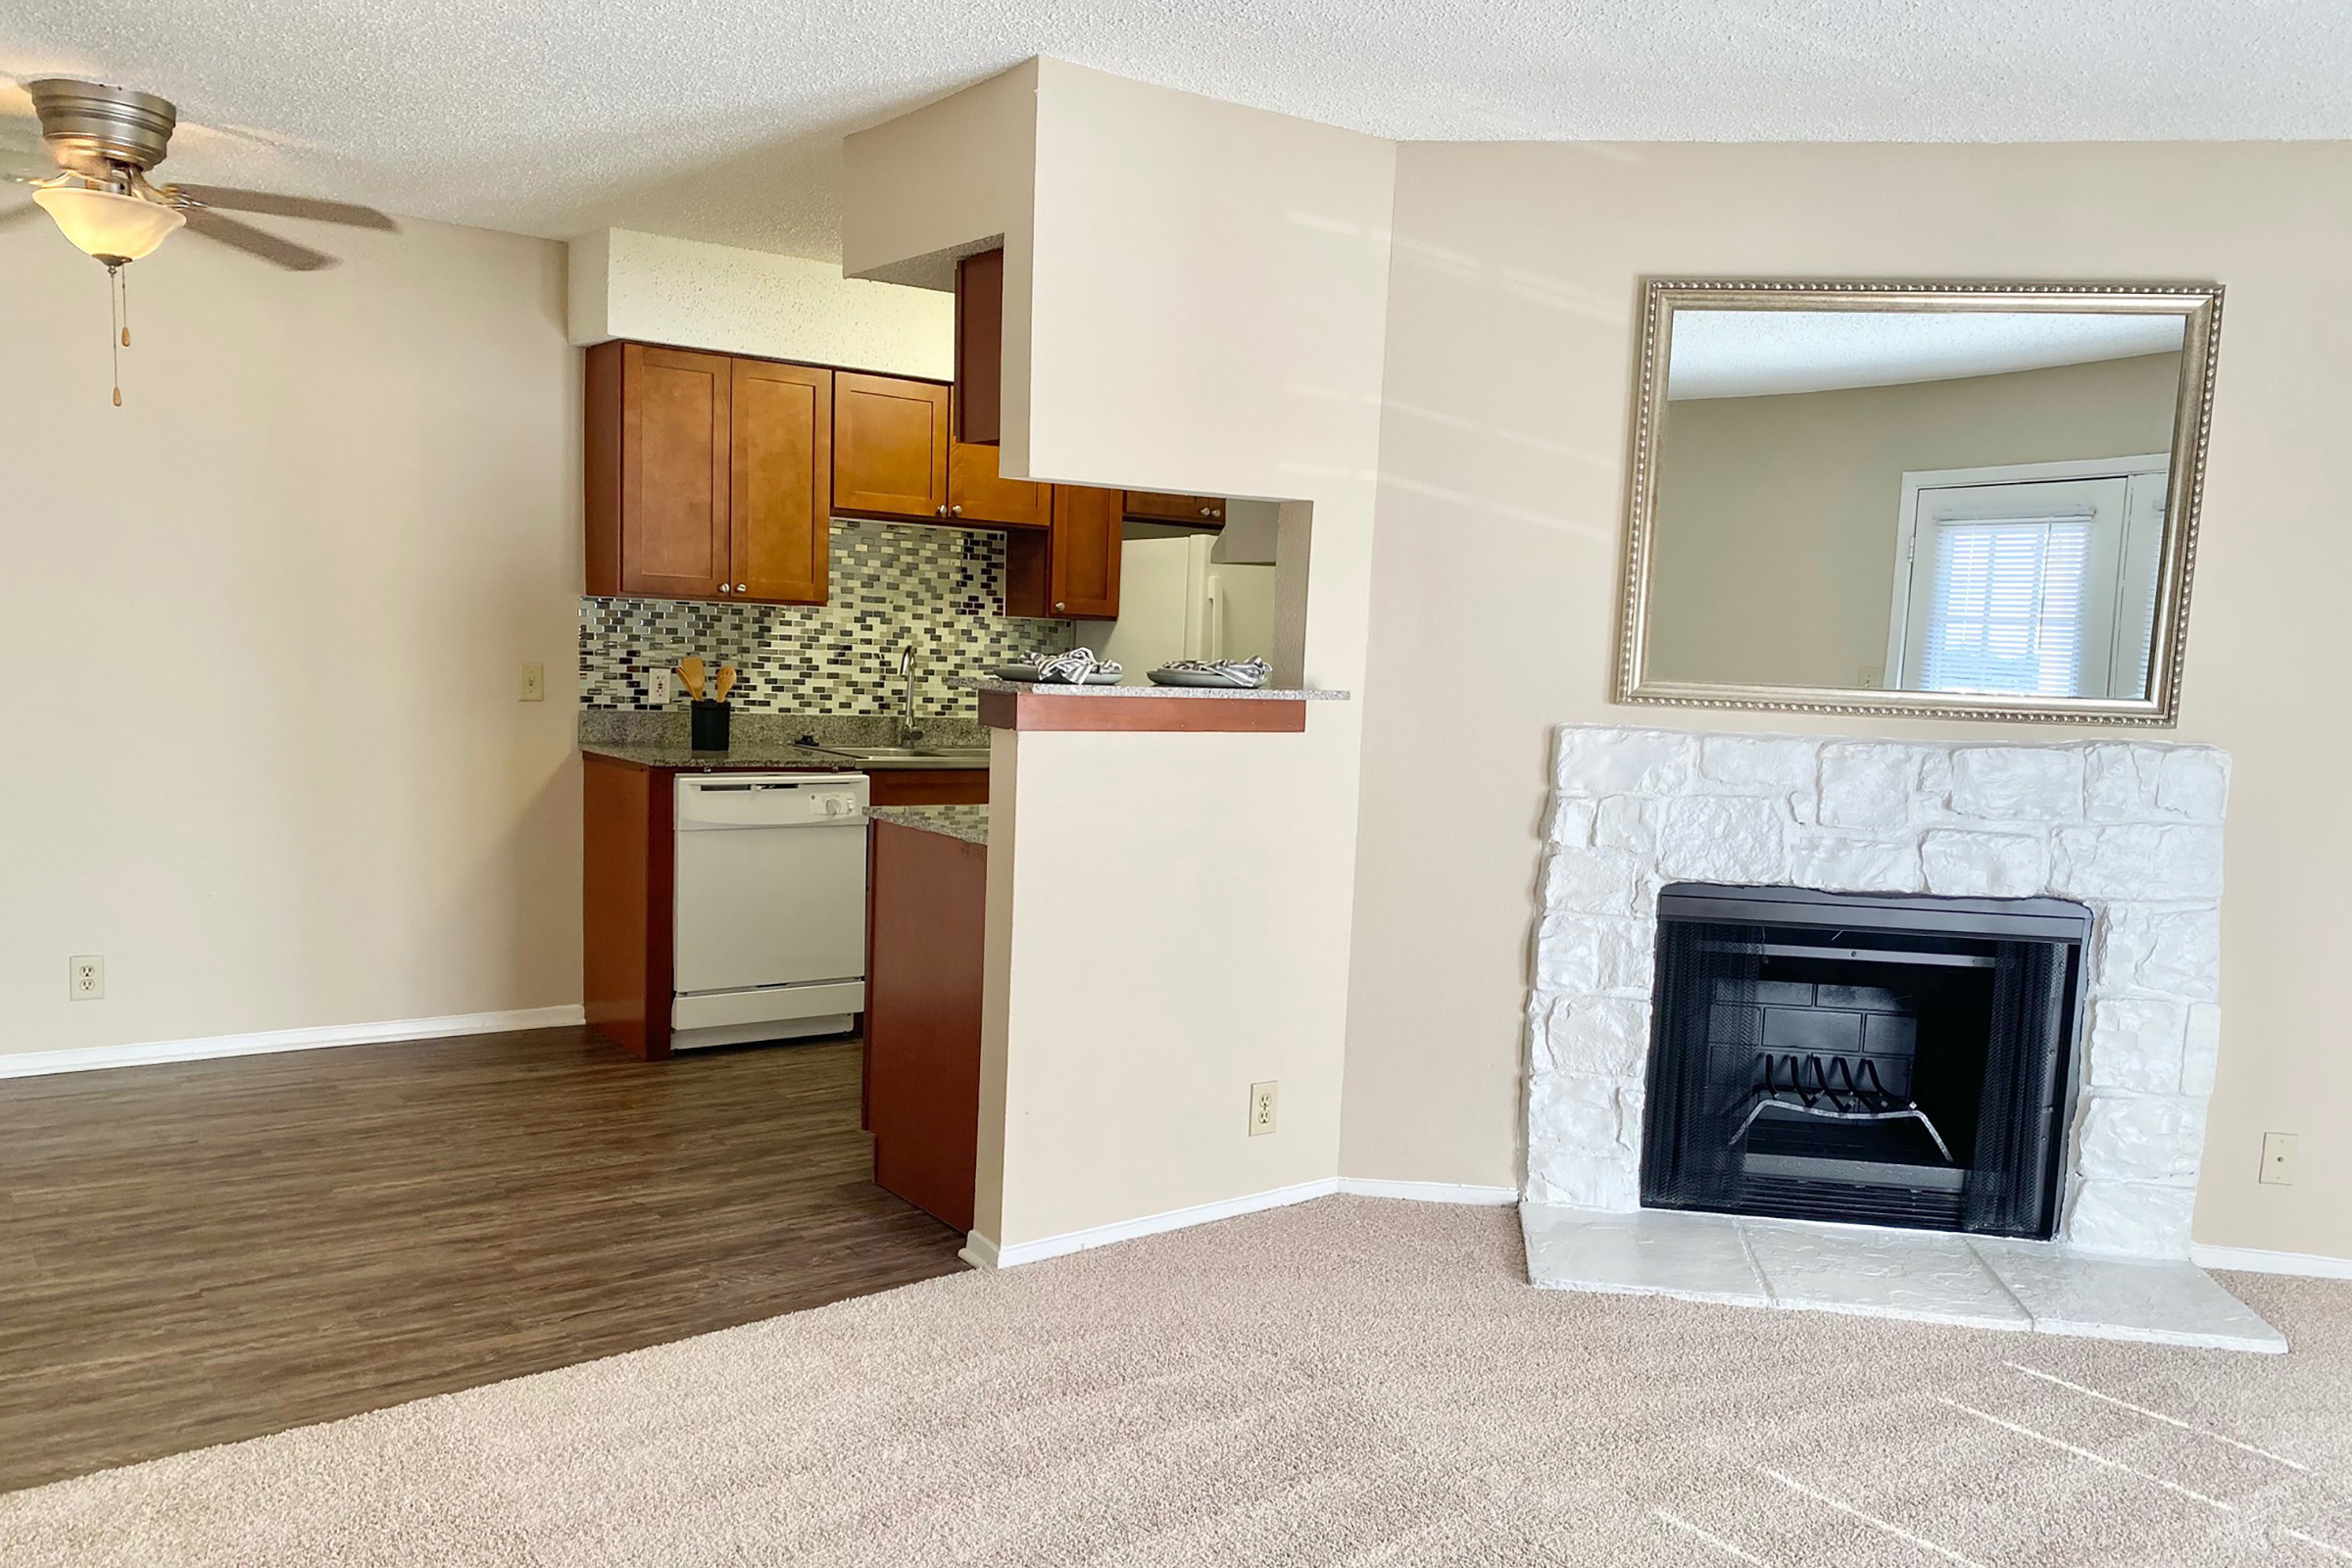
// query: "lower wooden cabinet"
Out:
[927,926]
[1072,570]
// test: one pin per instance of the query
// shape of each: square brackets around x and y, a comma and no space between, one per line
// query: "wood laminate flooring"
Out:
[203,1252]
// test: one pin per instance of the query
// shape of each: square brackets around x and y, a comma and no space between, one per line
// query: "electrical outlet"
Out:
[2278,1159]
[1261,1109]
[534,683]
[656,687]
[86,978]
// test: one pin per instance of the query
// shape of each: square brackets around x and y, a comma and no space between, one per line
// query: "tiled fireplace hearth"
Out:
[2128,830]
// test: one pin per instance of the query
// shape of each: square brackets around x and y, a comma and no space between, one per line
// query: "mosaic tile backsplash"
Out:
[894,585]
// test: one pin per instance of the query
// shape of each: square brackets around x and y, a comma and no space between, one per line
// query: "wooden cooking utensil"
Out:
[726,682]
[690,670]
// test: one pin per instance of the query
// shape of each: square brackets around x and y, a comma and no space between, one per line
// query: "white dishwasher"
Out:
[770,902]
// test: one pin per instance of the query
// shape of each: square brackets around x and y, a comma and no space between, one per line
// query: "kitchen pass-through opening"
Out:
[1875,1059]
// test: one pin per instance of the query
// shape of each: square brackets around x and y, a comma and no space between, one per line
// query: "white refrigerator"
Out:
[1175,602]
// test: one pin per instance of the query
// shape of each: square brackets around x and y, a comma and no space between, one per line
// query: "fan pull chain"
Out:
[117,304]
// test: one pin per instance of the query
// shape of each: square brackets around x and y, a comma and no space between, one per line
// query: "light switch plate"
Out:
[534,683]
[2278,1159]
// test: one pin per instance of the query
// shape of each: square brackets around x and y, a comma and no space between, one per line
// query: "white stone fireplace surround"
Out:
[2131,829]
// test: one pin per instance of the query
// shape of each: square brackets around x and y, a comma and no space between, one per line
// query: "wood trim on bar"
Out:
[1269,716]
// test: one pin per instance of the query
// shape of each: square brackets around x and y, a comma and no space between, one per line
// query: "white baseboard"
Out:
[1428,1192]
[86,1059]
[2254,1260]
[981,1251]
[1126,1230]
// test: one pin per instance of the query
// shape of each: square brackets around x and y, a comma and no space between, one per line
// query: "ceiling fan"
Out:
[105,141]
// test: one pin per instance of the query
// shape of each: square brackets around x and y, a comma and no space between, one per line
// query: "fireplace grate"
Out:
[1839,1092]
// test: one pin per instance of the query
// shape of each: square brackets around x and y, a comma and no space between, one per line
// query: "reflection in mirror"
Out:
[1964,505]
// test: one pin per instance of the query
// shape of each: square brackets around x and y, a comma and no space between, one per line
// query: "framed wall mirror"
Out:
[1949,500]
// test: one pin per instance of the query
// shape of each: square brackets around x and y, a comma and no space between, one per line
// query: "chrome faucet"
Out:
[907,733]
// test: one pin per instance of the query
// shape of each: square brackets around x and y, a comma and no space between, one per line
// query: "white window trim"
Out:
[1906,526]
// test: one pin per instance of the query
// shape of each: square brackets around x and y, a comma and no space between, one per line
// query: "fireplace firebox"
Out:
[1876,1059]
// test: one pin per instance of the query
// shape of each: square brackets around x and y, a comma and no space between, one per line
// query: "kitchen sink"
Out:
[942,756]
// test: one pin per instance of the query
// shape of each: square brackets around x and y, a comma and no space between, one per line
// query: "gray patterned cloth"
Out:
[1249,671]
[1072,669]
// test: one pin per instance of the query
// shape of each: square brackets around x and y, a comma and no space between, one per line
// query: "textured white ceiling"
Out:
[721,119]
[1740,354]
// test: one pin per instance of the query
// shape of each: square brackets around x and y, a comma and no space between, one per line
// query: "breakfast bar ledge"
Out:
[1030,705]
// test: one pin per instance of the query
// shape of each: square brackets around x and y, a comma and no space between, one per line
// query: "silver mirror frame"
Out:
[2199,305]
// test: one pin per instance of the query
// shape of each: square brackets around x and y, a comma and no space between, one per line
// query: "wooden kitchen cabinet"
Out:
[890,447]
[706,476]
[1147,506]
[976,494]
[1072,570]
[780,491]
[980,348]
[927,926]
[656,481]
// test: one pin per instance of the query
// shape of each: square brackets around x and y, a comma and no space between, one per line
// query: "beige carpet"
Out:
[1350,1382]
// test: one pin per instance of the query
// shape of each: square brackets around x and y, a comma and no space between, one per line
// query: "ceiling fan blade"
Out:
[254,242]
[227,199]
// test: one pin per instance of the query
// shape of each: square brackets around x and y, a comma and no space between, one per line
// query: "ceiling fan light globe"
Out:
[109,226]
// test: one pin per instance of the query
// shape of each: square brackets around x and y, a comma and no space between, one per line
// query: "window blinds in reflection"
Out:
[2007,614]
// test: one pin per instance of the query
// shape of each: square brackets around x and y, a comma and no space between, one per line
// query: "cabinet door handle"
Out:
[722,587]
[743,587]
[943,512]
[1059,605]
[1205,513]
[956,511]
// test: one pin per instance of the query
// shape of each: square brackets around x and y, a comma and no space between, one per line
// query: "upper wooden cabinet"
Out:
[1086,552]
[1200,511]
[1071,569]
[656,481]
[705,476]
[977,495]
[781,483]
[980,348]
[890,447]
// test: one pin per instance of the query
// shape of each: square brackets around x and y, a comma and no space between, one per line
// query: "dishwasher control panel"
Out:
[770,799]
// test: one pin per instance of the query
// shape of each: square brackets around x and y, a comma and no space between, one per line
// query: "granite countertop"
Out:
[658,739]
[1058,689]
[967,822]
[742,754]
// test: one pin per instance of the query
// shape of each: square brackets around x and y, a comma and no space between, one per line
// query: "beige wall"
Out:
[1207,315]
[651,288]
[264,626]
[1509,362]
[1774,557]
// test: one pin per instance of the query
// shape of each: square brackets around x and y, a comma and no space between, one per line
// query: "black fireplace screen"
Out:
[1883,1060]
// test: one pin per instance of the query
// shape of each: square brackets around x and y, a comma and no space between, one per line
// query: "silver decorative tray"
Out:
[1205,678]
